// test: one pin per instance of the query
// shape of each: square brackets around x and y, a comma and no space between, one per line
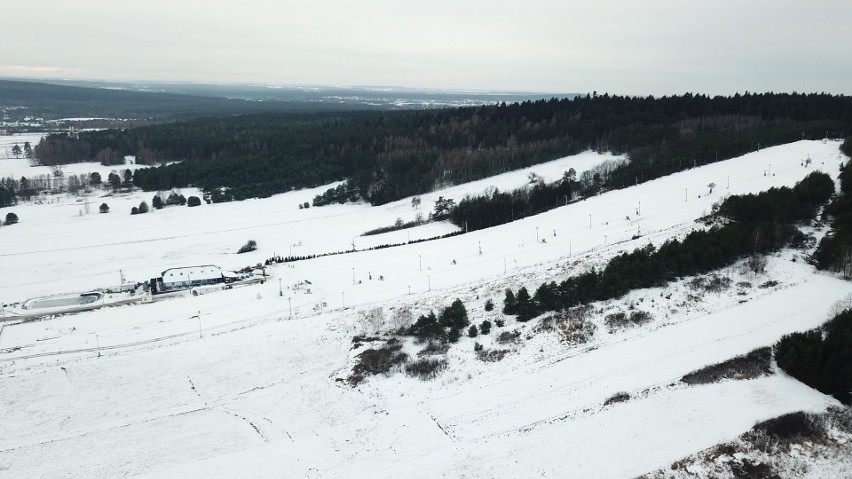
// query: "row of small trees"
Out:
[27,150]
[174,198]
[158,203]
[11,189]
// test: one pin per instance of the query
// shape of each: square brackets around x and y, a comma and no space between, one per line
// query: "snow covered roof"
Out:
[196,273]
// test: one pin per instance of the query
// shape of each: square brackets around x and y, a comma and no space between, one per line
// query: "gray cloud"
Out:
[652,47]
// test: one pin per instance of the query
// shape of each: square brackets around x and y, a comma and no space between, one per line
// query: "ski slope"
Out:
[243,383]
[655,360]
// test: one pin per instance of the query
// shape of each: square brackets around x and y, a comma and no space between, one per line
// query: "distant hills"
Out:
[56,99]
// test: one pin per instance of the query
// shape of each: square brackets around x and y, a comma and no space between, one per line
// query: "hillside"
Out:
[55,100]
[52,102]
[254,381]
[324,97]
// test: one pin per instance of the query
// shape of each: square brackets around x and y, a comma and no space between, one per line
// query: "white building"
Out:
[190,276]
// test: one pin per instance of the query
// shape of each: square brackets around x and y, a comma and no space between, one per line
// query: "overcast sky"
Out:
[625,47]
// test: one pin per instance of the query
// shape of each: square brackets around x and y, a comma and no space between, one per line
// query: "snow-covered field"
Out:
[8,141]
[245,383]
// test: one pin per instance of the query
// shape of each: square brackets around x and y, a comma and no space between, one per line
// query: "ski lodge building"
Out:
[174,279]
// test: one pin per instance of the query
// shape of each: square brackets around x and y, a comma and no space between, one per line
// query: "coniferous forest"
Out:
[390,155]
[821,358]
[835,249]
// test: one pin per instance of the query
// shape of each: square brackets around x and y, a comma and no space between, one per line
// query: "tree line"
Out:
[51,101]
[390,155]
[822,357]
[835,249]
[496,207]
[12,190]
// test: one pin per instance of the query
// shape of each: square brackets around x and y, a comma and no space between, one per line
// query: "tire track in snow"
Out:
[72,435]
[226,411]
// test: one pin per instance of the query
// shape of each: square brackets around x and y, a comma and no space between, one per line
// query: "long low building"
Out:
[187,277]
[174,279]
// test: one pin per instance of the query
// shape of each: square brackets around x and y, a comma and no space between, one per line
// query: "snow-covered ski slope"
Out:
[228,385]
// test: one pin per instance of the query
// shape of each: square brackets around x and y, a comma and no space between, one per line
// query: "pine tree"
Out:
[454,335]
[454,316]
[526,308]
[489,305]
[510,303]
[114,181]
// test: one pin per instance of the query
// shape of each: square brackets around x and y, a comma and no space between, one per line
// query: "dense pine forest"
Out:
[390,155]
[821,358]
[835,249]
